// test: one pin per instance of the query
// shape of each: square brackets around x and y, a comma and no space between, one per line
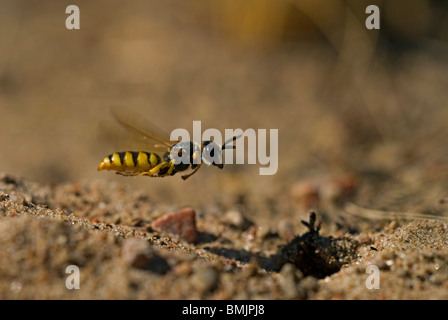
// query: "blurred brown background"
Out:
[346,100]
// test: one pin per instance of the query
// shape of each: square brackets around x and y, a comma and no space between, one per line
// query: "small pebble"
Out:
[286,230]
[263,232]
[16,286]
[306,193]
[181,223]
[288,281]
[183,269]
[309,283]
[237,219]
[336,189]
[205,279]
[250,269]
[139,254]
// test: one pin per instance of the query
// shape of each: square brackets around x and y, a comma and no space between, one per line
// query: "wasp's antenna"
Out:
[226,144]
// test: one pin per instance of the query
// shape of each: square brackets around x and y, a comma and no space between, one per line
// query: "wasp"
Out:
[168,157]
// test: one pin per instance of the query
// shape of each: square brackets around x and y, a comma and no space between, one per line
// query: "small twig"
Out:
[372,214]
[312,222]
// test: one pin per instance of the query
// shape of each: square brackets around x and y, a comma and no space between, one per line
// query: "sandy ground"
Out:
[120,256]
[362,143]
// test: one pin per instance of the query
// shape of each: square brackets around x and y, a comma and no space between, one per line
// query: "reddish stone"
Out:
[306,193]
[181,223]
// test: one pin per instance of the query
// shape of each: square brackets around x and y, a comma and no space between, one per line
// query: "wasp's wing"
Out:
[131,130]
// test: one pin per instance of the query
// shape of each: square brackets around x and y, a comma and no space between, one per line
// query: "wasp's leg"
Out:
[195,156]
[127,174]
[170,170]
[185,177]
[156,169]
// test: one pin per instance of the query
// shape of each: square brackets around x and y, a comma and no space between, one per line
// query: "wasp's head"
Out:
[212,154]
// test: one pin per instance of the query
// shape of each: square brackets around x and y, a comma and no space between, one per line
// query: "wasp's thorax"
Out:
[186,153]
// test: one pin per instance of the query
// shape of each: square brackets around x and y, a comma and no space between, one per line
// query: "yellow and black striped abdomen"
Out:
[130,161]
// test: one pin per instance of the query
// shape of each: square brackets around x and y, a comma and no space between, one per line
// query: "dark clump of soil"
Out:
[316,255]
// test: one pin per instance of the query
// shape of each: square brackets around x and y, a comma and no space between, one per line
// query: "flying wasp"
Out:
[177,156]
